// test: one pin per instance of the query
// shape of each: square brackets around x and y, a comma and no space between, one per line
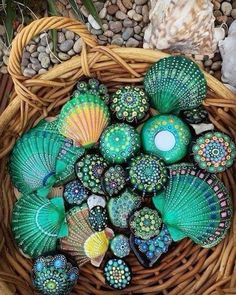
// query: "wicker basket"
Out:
[187,269]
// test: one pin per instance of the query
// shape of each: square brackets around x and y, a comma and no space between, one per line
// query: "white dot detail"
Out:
[164,141]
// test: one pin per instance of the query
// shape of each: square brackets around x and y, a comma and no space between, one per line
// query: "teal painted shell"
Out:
[41,159]
[195,204]
[37,223]
[175,83]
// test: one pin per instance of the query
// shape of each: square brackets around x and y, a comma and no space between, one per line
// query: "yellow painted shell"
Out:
[96,245]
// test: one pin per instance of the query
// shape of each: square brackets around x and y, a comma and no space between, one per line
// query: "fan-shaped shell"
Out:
[175,83]
[83,243]
[195,204]
[37,223]
[83,119]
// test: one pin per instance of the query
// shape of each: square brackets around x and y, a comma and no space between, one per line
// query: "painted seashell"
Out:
[37,223]
[119,142]
[117,273]
[227,51]
[54,275]
[195,116]
[120,246]
[147,173]
[83,242]
[94,87]
[181,26]
[149,251]
[121,208]
[89,170]
[75,193]
[167,137]
[83,119]
[34,161]
[195,204]
[175,83]
[95,200]
[214,152]
[114,180]
[129,104]
[145,223]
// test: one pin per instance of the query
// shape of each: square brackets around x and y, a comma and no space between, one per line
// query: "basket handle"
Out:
[37,27]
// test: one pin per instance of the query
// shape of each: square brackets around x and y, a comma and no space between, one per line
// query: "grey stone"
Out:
[36,67]
[208,63]
[115,27]
[78,46]
[30,66]
[138,37]
[128,32]
[42,55]
[29,72]
[108,33]
[71,52]
[26,55]
[140,2]
[35,54]
[69,35]
[34,60]
[5,59]
[128,23]
[24,62]
[66,45]
[93,22]
[226,8]
[105,27]
[32,48]
[131,13]
[103,13]
[63,56]
[102,38]
[45,62]
[145,13]
[137,17]
[120,15]
[132,43]
[138,9]
[41,49]
[117,41]
[3,70]
[216,65]
[100,42]
[121,6]
[44,40]
[42,71]
[96,32]
[233,13]
[137,29]
[127,3]
[60,37]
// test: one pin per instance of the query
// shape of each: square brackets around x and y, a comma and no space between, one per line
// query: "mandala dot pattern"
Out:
[98,218]
[89,171]
[119,142]
[129,104]
[75,192]
[145,223]
[53,275]
[147,173]
[114,180]
[120,246]
[117,273]
[214,152]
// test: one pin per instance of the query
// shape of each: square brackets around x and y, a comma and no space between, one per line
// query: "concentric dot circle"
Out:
[117,273]
[119,142]
[130,104]
[147,173]
[214,152]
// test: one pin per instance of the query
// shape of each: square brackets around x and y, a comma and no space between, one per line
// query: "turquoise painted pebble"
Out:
[120,246]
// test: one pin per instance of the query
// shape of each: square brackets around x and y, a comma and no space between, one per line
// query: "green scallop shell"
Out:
[37,223]
[175,83]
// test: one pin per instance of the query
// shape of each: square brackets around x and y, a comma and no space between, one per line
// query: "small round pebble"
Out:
[120,246]
[117,273]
